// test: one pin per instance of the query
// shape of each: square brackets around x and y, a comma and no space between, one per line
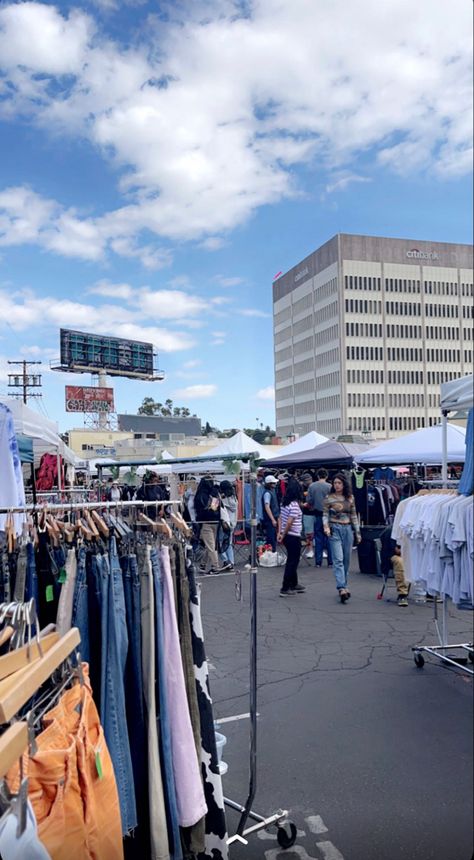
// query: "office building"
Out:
[365,330]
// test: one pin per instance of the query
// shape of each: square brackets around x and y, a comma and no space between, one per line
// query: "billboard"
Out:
[80,398]
[82,352]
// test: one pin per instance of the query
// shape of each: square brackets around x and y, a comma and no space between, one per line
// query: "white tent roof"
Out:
[422,446]
[304,443]
[43,431]
[240,443]
[457,394]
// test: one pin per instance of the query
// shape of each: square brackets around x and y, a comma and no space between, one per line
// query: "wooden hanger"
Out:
[24,656]
[91,524]
[18,688]
[102,525]
[180,523]
[13,744]
[10,532]
[6,634]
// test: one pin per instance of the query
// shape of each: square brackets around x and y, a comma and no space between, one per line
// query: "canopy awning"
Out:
[41,430]
[423,446]
[458,394]
[330,453]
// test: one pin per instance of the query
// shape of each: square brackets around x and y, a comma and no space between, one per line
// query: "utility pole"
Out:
[24,380]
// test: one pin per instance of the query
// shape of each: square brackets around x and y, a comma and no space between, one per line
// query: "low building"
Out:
[163,428]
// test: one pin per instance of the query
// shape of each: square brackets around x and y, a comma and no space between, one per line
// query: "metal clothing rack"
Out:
[438,650]
[286,830]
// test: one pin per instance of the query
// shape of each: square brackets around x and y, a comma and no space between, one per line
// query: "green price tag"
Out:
[98,765]
[49,594]
[62,575]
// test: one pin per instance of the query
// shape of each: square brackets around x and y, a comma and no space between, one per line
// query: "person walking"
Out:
[339,520]
[289,534]
[228,523]
[317,492]
[271,511]
[207,505]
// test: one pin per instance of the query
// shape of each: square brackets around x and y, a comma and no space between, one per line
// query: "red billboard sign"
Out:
[81,398]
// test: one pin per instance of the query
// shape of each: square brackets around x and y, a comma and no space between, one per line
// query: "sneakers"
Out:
[431,599]
[287,593]
[402,600]
[299,589]
[226,566]
[215,570]
[310,554]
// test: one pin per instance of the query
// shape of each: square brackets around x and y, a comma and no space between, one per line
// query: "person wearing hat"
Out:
[114,493]
[271,511]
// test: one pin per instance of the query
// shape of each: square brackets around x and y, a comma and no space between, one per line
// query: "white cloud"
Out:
[342,180]
[194,392]
[207,114]
[24,310]
[229,282]
[194,362]
[267,393]
[37,37]
[113,291]
[253,312]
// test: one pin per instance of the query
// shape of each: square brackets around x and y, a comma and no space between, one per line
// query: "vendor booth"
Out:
[423,446]
[330,453]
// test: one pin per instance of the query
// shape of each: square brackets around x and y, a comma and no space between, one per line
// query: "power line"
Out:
[24,380]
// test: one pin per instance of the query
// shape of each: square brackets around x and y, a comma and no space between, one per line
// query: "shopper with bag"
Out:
[207,505]
[290,526]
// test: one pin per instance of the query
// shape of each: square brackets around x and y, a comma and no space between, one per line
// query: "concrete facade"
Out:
[365,330]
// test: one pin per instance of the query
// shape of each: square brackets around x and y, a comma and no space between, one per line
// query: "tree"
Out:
[165,410]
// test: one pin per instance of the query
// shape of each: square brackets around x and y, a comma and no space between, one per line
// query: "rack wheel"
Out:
[286,835]
[419,660]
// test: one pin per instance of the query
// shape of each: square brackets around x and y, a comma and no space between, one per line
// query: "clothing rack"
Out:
[286,830]
[62,506]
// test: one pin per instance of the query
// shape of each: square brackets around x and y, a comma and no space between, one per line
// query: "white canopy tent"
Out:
[240,443]
[457,394]
[43,432]
[423,446]
[304,443]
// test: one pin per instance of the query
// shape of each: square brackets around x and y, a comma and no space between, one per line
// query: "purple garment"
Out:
[187,774]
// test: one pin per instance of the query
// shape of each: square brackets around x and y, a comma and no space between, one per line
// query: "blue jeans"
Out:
[341,547]
[134,696]
[270,533]
[321,542]
[112,692]
[162,710]
[31,586]
[94,603]
[228,553]
[80,611]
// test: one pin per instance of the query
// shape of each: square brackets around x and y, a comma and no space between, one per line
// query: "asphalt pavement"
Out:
[372,756]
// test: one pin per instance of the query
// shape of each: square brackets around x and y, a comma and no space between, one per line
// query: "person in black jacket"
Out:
[153,491]
[207,505]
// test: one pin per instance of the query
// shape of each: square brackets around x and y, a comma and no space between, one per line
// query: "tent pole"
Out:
[444,434]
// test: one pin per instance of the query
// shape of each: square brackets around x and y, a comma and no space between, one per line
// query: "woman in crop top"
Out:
[339,520]
[289,534]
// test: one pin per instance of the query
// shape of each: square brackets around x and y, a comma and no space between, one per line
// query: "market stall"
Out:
[330,453]
[458,395]
[424,446]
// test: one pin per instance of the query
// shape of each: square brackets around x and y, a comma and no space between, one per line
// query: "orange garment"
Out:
[72,784]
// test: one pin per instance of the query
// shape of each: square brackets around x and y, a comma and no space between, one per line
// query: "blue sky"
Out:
[160,163]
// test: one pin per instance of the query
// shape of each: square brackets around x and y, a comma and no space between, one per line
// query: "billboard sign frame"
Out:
[89,398]
[85,352]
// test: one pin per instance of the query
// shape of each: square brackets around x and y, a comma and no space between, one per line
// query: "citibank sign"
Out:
[415,254]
